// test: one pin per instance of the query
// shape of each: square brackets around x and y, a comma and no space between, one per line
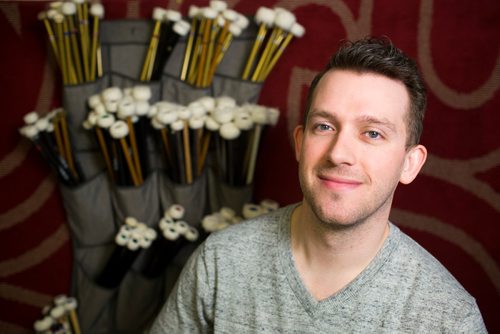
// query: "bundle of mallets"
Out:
[277,28]
[74,40]
[119,119]
[168,29]
[51,138]
[59,317]
[212,31]
[132,237]
[186,133]
[226,216]
[174,233]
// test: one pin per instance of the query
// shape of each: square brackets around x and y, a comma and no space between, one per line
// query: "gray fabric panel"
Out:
[91,162]
[95,304]
[127,59]
[89,212]
[191,196]
[138,302]
[174,63]
[221,194]
[75,104]
[126,31]
[242,91]
[139,202]
[126,44]
[175,90]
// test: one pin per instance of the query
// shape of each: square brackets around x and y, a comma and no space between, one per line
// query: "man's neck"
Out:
[328,259]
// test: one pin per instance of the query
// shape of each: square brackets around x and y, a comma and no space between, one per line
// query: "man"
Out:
[333,263]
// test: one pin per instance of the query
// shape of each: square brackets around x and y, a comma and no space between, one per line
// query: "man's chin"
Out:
[336,221]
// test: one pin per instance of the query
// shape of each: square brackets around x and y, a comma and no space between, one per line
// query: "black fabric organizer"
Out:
[96,208]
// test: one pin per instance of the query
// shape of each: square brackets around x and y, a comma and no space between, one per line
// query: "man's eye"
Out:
[373,134]
[323,127]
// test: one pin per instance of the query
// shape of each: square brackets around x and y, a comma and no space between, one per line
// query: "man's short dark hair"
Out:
[380,56]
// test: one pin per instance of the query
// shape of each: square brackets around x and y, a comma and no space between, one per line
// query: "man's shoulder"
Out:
[426,274]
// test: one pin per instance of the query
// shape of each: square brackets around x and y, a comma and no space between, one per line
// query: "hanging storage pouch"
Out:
[126,44]
[89,212]
[83,141]
[139,202]
[178,91]
[221,194]
[138,302]
[173,88]
[191,196]
[91,222]
[241,90]
[96,304]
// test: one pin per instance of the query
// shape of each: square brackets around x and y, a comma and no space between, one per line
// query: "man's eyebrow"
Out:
[378,121]
[321,113]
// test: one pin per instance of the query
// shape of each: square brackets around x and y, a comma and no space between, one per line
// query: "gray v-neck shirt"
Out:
[244,280]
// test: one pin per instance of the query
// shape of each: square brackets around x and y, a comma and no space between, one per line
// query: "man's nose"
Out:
[342,149]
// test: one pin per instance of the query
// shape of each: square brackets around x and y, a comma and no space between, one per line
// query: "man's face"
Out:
[352,151]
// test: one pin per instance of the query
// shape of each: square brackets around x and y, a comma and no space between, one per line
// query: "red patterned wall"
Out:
[453,208]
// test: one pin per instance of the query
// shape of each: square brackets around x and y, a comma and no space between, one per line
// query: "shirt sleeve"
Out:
[472,322]
[189,307]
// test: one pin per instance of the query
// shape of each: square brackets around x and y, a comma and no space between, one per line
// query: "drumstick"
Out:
[229,132]
[59,19]
[217,23]
[283,21]
[104,122]
[194,64]
[158,16]
[52,38]
[265,18]
[184,115]
[126,110]
[69,10]
[61,120]
[178,30]
[71,305]
[296,30]
[81,10]
[209,15]
[165,35]
[196,124]
[176,133]
[245,123]
[119,130]
[193,13]
[234,30]
[97,12]
[259,116]
[212,126]
[165,117]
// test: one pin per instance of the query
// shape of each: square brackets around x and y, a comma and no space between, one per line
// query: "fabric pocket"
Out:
[139,202]
[89,212]
[241,90]
[178,91]
[138,301]
[191,196]
[96,304]
[221,194]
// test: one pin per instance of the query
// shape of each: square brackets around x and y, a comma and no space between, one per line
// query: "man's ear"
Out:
[414,160]
[298,134]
